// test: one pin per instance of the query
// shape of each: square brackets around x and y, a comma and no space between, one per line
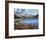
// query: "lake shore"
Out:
[22,26]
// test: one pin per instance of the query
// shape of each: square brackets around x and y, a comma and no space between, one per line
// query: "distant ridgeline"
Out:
[15,16]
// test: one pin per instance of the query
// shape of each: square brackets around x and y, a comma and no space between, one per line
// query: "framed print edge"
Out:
[7,19]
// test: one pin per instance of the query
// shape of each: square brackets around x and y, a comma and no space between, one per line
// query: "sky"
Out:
[26,11]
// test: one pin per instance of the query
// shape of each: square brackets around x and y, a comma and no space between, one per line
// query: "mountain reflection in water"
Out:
[30,21]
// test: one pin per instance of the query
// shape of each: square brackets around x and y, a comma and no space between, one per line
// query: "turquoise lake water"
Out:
[30,21]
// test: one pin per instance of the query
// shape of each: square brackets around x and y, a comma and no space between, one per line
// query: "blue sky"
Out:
[27,11]
[31,11]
